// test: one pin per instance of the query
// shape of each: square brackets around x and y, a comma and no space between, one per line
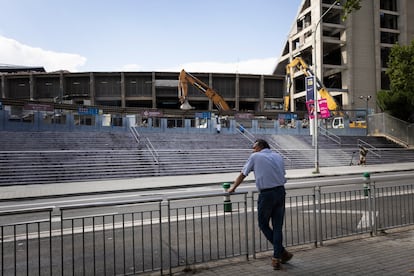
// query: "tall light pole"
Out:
[315,91]
[366,98]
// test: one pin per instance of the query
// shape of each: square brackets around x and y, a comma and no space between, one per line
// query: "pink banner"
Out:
[323,109]
[310,106]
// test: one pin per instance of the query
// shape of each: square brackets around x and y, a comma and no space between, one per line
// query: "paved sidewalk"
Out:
[148,183]
[390,253]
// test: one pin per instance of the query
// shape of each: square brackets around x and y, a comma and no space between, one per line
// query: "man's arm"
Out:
[237,182]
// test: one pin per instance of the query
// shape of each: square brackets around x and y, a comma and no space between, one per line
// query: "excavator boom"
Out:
[186,78]
[300,64]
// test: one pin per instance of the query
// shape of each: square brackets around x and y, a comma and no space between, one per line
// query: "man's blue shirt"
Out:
[268,167]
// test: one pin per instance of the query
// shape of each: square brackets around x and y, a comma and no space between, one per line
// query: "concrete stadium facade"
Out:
[349,57]
[144,90]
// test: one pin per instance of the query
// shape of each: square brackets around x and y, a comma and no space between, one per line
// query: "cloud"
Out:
[263,66]
[16,53]
[253,66]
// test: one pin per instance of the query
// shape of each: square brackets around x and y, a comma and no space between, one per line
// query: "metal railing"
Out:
[391,127]
[369,147]
[135,134]
[148,144]
[152,150]
[162,235]
[273,145]
[330,135]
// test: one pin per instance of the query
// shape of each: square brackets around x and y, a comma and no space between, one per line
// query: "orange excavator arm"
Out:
[186,78]
[300,64]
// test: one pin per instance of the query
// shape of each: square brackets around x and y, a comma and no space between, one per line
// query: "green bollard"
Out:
[227,202]
[367,182]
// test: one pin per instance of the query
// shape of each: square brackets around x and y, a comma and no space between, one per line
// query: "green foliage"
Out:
[350,6]
[399,100]
[395,104]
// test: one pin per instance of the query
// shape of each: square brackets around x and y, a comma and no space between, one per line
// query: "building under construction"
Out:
[348,56]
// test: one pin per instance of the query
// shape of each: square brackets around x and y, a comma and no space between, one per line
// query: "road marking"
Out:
[108,197]
[363,222]
[113,225]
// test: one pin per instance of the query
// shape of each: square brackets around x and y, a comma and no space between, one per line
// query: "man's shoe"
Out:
[276,264]
[286,256]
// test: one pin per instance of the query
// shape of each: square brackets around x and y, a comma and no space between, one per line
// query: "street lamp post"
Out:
[366,98]
[315,92]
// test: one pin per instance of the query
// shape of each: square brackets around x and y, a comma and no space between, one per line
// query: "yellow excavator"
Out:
[186,78]
[299,64]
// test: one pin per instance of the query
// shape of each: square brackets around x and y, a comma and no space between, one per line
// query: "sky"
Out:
[220,36]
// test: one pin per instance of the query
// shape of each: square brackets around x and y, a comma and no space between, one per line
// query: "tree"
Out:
[350,6]
[399,100]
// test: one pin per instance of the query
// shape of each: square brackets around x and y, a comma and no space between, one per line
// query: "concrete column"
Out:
[3,86]
[376,54]
[92,88]
[237,93]
[154,96]
[32,85]
[123,90]
[61,87]
[261,94]
[210,84]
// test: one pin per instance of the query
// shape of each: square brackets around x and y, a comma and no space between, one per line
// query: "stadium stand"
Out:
[55,157]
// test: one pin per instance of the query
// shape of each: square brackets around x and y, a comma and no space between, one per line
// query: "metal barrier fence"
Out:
[385,124]
[161,235]
[71,121]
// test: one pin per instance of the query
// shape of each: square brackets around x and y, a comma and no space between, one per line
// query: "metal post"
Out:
[253,228]
[315,125]
[161,245]
[246,227]
[367,98]
[319,214]
[169,239]
[227,201]
[374,208]
[315,92]
[370,210]
[315,218]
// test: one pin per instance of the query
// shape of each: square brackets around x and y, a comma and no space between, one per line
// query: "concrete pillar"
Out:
[92,88]
[61,87]
[237,93]
[32,84]
[123,90]
[153,91]
[210,84]
[261,94]
[3,86]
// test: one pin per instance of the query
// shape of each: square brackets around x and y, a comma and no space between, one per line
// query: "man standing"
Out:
[269,172]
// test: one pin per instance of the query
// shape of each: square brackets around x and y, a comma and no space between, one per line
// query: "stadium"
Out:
[122,173]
